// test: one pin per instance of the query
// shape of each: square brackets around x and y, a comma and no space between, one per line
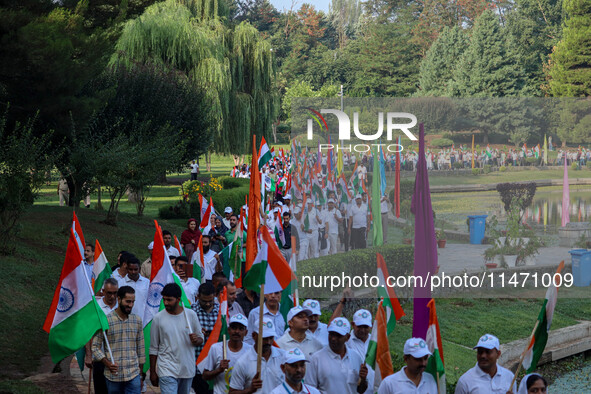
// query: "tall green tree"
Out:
[438,66]
[569,71]
[233,65]
[534,27]
[345,17]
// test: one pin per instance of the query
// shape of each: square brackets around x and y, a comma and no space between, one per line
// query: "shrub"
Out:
[234,198]
[532,161]
[519,193]
[399,261]
[487,168]
[229,182]
[441,142]
[589,165]
[502,169]
[407,188]
[574,165]
[448,135]
[475,171]
[458,164]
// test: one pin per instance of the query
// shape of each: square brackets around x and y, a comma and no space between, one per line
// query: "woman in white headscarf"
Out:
[533,383]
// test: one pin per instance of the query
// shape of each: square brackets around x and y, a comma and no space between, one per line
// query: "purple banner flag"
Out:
[425,242]
[565,195]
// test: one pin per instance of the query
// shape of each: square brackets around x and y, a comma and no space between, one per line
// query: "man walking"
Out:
[294,369]
[126,338]
[358,223]
[206,309]
[138,283]
[172,344]
[297,336]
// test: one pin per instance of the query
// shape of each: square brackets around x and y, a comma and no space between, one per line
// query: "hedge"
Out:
[234,198]
[399,261]
[229,182]
[441,142]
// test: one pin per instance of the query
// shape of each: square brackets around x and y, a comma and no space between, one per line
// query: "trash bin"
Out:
[477,227]
[581,265]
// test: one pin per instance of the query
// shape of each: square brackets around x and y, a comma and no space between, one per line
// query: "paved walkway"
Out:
[457,258]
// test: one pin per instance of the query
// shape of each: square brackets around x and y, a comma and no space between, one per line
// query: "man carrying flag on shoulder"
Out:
[411,379]
[174,334]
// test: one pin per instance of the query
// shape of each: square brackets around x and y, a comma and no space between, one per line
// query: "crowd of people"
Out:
[300,354]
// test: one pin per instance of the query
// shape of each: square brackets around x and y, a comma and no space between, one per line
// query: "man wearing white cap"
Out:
[358,223]
[332,217]
[318,329]
[220,369]
[294,368]
[286,204]
[336,369]
[227,213]
[411,379]
[362,323]
[297,336]
[245,379]
[486,376]
[271,219]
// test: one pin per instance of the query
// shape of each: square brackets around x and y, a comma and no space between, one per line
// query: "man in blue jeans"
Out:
[126,338]
[174,335]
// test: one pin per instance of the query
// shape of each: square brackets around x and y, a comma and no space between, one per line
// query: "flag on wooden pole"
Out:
[435,365]
[254,203]
[391,304]
[378,350]
[101,269]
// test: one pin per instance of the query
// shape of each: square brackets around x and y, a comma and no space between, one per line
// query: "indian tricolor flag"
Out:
[161,275]
[378,349]
[269,268]
[488,152]
[198,261]
[264,154]
[177,245]
[220,328]
[391,304]
[539,339]
[278,231]
[78,235]
[101,269]
[435,365]
[74,315]
[205,224]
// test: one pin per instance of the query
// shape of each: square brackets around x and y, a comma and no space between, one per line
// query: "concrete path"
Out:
[457,258]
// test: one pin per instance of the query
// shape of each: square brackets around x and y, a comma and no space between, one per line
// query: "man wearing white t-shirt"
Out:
[190,285]
[362,323]
[245,378]
[358,223]
[297,336]
[486,376]
[138,283]
[194,170]
[312,229]
[172,344]
[215,366]
[318,329]
[210,259]
[411,379]
[332,217]
[337,369]
[170,250]
[294,369]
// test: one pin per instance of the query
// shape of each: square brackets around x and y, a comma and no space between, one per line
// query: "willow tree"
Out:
[232,64]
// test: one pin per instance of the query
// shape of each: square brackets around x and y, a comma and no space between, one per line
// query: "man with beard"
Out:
[411,379]
[170,250]
[89,260]
[220,369]
[138,283]
[108,303]
[234,308]
[486,376]
[231,233]
[211,259]
[297,336]
[362,323]
[245,378]
[294,368]
[172,344]
[206,310]
[126,338]
[336,368]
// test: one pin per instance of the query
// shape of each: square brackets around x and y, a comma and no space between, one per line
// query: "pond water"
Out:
[544,215]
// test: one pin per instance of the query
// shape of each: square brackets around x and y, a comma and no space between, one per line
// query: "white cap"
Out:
[488,341]
[358,196]
[239,318]
[297,210]
[280,203]
[151,245]
[314,306]
[228,210]
[287,197]
[331,200]
[362,318]
[340,325]
[296,310]
[268,328]
[275,209]
[294,355]
[416,347]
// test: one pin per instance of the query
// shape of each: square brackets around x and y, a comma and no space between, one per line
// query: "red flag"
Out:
[397,183]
